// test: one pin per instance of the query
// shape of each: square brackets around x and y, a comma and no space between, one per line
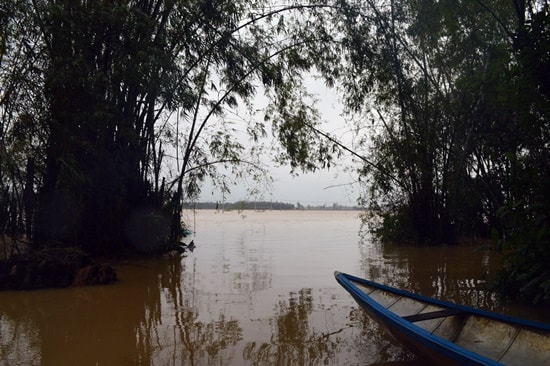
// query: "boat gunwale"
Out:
[421,335]
[545,327]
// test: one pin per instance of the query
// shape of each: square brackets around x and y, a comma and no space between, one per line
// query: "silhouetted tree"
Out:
[123,86]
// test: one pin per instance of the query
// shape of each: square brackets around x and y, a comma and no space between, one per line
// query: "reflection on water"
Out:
[257,290]
[457,274]
[294,340]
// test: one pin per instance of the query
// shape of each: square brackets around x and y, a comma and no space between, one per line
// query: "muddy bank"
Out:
[51,268]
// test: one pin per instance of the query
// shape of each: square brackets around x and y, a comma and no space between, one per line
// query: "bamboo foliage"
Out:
[124,87]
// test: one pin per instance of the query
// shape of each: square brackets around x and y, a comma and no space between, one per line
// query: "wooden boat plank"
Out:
[383,298]
[432,315]
[406,306]
[449,328]
[528,348]
[486,337]
[430,324]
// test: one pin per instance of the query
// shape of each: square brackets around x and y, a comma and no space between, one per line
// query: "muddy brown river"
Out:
[257,290]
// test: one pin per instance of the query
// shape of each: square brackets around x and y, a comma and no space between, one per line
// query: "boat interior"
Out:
[503,342]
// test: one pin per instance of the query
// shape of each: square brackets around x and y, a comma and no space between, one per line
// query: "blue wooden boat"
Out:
[449,334]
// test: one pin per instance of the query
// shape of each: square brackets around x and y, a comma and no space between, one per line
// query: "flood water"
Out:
[258,289]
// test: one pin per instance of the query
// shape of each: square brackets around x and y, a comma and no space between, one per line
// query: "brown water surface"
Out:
[257,290]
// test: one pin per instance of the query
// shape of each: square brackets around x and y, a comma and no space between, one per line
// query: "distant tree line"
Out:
[263,205]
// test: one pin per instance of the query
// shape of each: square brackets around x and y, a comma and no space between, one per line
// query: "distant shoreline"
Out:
[266,205]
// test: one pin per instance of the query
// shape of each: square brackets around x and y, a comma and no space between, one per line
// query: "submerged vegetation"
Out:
[112,116]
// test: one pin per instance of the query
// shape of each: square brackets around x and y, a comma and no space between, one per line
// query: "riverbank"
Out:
[53,268]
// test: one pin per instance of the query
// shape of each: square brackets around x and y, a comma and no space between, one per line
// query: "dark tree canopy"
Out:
[456,97]
[113,90]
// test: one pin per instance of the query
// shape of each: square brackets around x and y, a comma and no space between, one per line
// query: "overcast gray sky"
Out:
[313,189]
[323,187]
[320,188]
